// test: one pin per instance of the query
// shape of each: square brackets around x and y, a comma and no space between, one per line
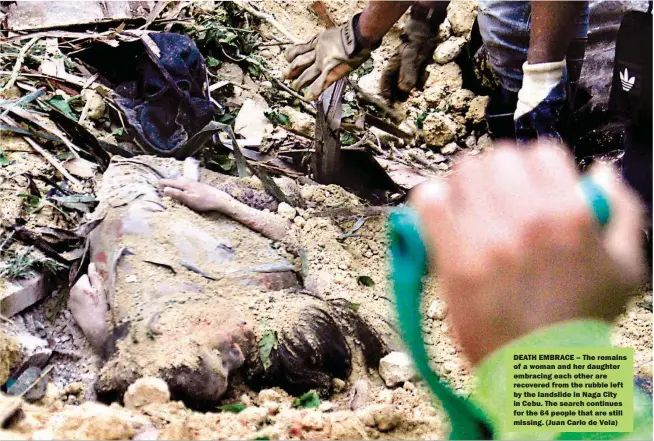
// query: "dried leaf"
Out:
[307,400]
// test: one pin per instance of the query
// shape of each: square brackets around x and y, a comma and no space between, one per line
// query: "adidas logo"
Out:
[627,83]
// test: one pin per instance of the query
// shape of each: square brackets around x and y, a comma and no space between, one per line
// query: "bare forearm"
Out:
[379,17]
[552,28]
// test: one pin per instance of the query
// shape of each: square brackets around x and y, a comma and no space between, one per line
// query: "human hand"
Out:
[328,57]
[195,195]
[87,302]
[517,248]
[406,67]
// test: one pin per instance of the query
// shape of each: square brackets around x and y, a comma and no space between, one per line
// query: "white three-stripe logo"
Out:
[627,83]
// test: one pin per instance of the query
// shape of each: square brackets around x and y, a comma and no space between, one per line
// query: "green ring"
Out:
[596,199]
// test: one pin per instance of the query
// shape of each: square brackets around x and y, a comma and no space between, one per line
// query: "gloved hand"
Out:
[540,100]
[327,58]
[406,67]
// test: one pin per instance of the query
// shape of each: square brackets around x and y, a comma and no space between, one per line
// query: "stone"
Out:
[395,368]
[338,384]
[448,50]
[81,168]
[383,417]
[444,30]
[476,109]
[16,295]
[96,421]
[460,98]
[450,148]
[385,396]
[253,415]
[301,122]
[471,142]
[299,221]
[345,425]
[370,83]
[36,351]
[269,395]
[437,310]
[313,421]
[230,72]
[94,104]
[434,94]
[251,121]
[461,15]
[484,142]
[446,75]
[358,395]
[10,355]
[286,211]
[326,406]
[438,129]
[25,385]
[145,391]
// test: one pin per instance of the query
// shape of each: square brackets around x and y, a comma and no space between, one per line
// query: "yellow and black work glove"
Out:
[328,57]
[406,67]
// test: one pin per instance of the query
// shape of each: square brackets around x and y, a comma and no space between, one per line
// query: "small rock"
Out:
[299,221]
[444,30]
[251,121]
[358,394]
[471,142]
[300,121]
[370,83]
[313,421]
[447,75]
[461,15]
[272,408]
[269,395]
[434,94]
[438,129]
[382,416]
[395,368]
[338,384]
[286,211]
[437,310]
[326,406]
[146,390]
[385,396]
[253,415]
[449,50]
[437,157]
[484,142]
[476,109]
[230,72]
[81,168]
[246,400]
[95,106]
[409,386]
[35,351]
[460,99]
[450,148]
[25,385]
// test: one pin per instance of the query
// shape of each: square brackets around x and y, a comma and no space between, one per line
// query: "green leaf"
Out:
[353,306]
[307,401]
[118,132]
[60,103]
[262,438]
[278,118]
[347,111]
[149,335]
[365,280]
[213,62]
[31,200]
[234,408]
[266,345]
[348,138]
[3,158]
[646,305]
[226,162]
[420,119]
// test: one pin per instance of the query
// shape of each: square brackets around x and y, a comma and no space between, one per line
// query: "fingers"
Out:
[174,193]
[95,278]
[299,49]
[181,184]
[307,76]
[409,69]
[623,234]
[82,285]
[321,83]
[387,84]
[299,65]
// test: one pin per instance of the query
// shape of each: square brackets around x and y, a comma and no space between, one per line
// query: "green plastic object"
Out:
[409,265]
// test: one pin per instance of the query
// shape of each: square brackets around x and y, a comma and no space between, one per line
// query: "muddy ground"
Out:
[362,406]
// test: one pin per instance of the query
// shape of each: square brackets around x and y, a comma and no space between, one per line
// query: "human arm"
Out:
[334,53]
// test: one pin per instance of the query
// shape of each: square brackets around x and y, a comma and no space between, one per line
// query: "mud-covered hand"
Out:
[406,67]
[540,101]
[195,195]
[328,57]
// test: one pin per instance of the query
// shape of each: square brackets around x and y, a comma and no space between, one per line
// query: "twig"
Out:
[377,101]
[269,18]
[2,246]
[6,320]
[52,160]
[37,381]
[19,63]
